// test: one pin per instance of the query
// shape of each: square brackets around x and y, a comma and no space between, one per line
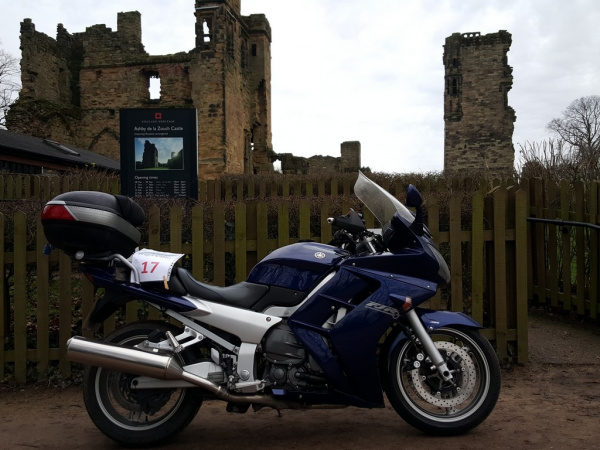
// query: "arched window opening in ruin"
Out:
[253,49]
[206,36]
[154,87]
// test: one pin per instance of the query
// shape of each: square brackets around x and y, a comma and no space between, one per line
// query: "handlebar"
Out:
[354,235]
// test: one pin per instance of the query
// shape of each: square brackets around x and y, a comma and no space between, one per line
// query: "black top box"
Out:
[95,223]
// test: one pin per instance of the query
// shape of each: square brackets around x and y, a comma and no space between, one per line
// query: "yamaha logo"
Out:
[320,255]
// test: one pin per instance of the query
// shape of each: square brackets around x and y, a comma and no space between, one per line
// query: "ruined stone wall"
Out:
[45,70]
[348,162]
[77,84]
[350,159]
[479,123]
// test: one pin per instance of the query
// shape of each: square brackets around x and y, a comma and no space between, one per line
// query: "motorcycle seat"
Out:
[241,295]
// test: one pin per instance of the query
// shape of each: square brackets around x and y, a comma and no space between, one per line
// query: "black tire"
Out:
[143,417]
[421,398]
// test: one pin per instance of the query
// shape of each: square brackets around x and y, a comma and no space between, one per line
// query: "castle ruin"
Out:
[347,162]
[75,85]
[479,123]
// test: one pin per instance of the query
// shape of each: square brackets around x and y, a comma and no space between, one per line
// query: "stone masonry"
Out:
[479,123]
[348,162]
[75,85]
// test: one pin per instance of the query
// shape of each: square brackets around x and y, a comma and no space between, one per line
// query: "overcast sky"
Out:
[372,70]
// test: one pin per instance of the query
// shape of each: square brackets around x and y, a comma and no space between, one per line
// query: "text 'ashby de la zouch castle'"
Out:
[75,85]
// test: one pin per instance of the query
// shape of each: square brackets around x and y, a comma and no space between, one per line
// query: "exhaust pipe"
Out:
[131,360]
[123,359]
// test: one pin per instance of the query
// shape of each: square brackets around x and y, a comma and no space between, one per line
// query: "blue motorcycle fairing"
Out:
[347,351]
[297,266]
[417,262]
[436,319]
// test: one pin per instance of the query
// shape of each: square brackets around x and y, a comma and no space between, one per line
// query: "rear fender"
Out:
[103,308]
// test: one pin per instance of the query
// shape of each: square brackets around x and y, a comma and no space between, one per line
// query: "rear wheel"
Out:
[140,417]
[424,400]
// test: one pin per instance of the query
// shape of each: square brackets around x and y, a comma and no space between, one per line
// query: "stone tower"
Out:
[74,86]
[479,123]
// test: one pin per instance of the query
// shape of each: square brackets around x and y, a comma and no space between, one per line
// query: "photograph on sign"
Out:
[159,153]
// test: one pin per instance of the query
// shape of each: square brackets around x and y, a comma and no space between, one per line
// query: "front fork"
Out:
[430,348]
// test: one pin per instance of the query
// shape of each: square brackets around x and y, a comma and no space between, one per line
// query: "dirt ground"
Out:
[551,402]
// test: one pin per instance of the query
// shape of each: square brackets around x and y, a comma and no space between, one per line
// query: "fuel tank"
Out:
[298,266]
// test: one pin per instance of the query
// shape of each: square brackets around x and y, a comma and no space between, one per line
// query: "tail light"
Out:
[57,212]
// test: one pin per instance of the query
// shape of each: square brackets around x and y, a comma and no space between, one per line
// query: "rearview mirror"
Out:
[413,197]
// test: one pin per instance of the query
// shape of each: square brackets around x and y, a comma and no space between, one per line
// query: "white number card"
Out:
[153,265]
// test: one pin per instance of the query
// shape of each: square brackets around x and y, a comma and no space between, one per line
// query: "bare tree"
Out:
[580,127]
[9,86]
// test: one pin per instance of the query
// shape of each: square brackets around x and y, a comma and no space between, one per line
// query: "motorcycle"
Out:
[313,326]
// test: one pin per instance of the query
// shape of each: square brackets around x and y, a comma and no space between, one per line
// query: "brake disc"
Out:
[451,396]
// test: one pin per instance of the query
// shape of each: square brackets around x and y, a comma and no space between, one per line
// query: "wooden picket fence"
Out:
[45,187]
[44,299]
[563,259]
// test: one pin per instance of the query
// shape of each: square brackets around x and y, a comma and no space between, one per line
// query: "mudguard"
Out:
[432,320]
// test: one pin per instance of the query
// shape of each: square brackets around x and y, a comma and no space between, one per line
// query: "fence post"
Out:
[65,305]
[304,219]
[262,232]
[20,297]
[241,270]
[335,189]
[594,272]
[539,241]
[42,294]
[262,189]
[566,246]
[283,224]
[552,248]
[347,193]
[325,226]
[202,191]
[198,242]
[477,255]
[456,286]
[219,244]
[433,223]
[228,191]
[521,275]
[500,272]
[10,187]
[580,248]
[4,300]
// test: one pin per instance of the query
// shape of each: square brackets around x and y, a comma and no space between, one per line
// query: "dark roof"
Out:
[45,150]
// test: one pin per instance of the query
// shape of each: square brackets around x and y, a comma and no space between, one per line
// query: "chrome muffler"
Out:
[123,359]
[132,360]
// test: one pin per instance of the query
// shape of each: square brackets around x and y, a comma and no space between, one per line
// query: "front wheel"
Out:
[136,417]
[425,401]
